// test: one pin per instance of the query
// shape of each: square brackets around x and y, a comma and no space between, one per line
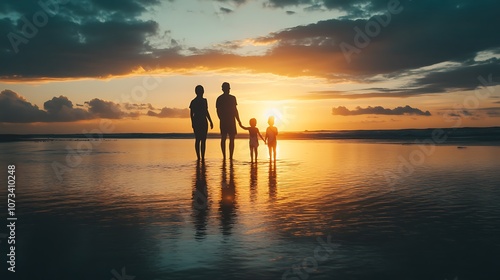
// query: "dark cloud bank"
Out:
[16,109]
[100,38]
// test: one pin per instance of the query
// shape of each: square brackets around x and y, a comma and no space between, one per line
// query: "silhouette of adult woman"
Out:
[199,116]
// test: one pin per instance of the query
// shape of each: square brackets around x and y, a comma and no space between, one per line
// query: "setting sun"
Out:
[282,115]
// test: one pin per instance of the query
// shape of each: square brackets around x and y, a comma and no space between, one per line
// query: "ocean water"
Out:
[327,209]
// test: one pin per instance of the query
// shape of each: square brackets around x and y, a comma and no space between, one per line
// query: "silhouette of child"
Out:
[254,141]
[271,135]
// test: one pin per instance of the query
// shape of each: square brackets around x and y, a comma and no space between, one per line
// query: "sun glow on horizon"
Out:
[281,113]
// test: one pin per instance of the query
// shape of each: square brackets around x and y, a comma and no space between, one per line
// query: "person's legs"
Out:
[223,145]
[256,152]
[203,138]
[251,152]
[197,147]
[203,145]
[231,145]
[274,152]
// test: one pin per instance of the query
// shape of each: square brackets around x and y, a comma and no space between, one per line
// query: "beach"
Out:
[326,209]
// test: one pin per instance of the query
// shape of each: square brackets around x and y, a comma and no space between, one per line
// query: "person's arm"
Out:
[217,108]
[236,113]
[258,132]
[191,114]
[209,118]
[244,127]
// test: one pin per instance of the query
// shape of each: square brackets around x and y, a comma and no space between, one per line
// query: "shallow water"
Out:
[325,210]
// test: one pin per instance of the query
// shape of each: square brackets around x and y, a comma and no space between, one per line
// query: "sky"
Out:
[67,66]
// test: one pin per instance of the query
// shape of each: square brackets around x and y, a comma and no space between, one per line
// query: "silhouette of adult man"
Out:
[227,113]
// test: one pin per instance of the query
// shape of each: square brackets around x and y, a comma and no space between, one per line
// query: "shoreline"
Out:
[466,135]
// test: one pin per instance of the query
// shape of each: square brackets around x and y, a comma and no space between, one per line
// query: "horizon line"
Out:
[474,134]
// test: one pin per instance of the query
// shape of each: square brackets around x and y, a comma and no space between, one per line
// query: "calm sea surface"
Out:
[327,209]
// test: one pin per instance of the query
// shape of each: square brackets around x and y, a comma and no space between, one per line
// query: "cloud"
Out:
[61,109]
[315,50]
[14,108]
[106,109]
[395,49]
[83,8]
[99,38]
[170,113]
[225,10]
[464,77]
[379,110]
[333,94]
[286,3]
[473,114]
[459,113]
[94,38]
[491,111]
[237,2]
[352,7]
[142,106]
[394,52]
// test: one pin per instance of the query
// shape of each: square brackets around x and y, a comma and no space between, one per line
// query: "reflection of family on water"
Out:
[227,205]
[228,115]
[228,195]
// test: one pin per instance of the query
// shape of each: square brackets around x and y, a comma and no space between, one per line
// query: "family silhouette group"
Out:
[228,115]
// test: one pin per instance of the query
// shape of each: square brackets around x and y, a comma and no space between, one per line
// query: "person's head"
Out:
[270,121]
[226,87]
[253,122]
[199,90]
